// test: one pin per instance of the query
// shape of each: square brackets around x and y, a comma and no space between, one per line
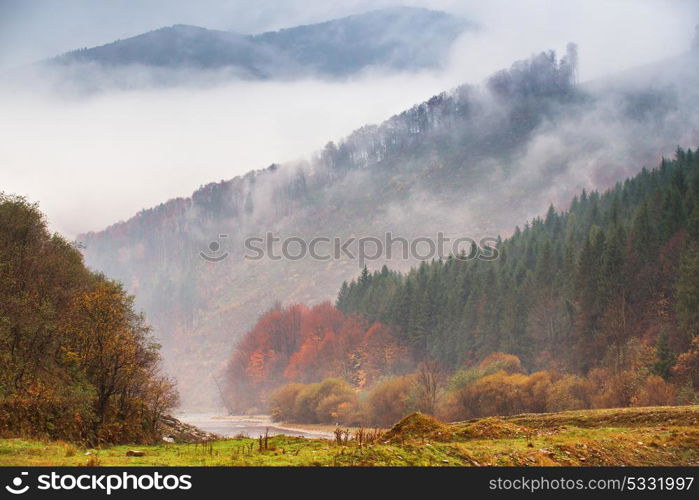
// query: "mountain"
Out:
[396,38]
[474,161]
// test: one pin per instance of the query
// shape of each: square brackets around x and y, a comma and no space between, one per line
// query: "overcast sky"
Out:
[91,163]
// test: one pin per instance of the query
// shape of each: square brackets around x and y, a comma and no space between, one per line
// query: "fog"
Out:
[93,159]
[91,162]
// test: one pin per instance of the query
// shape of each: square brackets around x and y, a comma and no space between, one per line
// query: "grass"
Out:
[632,436]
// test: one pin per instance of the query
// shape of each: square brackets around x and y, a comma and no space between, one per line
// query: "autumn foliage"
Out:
[317,365]
[76,361]
[301,344]
[495,386]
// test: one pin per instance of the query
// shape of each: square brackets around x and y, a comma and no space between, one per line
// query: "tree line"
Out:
[569,291]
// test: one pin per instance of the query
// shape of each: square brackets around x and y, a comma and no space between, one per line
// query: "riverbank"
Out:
[327,429]
[629,436]
[258,425]
[253,426]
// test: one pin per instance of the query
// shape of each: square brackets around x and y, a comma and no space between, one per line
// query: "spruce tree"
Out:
[664,356]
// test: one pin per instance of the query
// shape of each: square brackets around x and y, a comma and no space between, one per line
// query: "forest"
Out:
[594,307]
[77,362]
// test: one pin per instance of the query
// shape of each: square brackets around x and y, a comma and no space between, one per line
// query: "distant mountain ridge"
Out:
[401,38]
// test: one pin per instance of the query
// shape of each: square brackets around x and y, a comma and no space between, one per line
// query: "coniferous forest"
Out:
[570,289]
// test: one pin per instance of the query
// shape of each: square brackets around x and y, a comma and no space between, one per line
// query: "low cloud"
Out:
[91,161]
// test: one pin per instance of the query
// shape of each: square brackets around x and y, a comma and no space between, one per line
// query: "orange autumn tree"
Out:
[300,344]
[114,347]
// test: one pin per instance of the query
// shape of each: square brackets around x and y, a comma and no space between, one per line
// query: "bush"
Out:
[568,393]
[509,363]
[613,390]
[389,401]
[57,412]
[655,391]
[329,408]
[282,402]
[321,402]
[499,394]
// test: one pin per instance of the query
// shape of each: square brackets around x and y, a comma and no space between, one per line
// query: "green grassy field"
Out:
[631,436]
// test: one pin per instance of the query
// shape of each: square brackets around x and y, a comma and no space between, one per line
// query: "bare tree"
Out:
[429,380]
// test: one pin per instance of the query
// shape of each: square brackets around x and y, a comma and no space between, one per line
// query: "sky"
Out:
[94,161]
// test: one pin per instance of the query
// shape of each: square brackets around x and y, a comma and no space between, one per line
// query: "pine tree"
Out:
[687,292]
[664,356]
[342,297]
[693,225]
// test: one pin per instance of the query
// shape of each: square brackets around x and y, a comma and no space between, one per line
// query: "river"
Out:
[252,426]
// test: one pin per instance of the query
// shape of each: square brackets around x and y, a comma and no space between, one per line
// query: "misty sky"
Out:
[91,162]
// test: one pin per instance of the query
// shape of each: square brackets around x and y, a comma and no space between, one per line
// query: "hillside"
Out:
[398,38]
[640,437]
[474,161]
[569,289]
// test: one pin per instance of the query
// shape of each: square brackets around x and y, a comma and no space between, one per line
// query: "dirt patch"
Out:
[491,428]
[418,426]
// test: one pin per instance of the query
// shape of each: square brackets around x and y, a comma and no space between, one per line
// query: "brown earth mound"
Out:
[418,426]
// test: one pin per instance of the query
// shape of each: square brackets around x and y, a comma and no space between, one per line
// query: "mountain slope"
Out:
[176,46]
[474,161]
[396,38]
[400,38]
[599,302]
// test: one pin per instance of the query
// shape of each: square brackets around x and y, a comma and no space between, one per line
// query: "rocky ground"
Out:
[176,431]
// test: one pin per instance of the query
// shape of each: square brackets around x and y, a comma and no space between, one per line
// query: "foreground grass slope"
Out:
[628,436]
